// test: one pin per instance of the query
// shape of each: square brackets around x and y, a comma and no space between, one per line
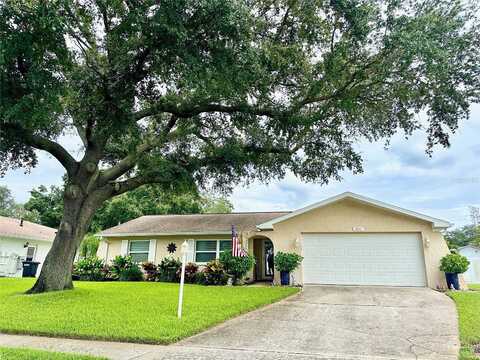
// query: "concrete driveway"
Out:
[334,322]
[323,322]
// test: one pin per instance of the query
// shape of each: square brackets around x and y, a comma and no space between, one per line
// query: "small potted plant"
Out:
[286,263]
[453,264]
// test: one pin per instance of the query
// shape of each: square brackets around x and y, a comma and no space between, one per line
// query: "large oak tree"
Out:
[216,92]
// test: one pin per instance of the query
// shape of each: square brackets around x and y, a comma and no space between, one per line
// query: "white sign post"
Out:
[184,249]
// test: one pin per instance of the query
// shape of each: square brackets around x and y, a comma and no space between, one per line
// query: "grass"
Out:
[27,354]
[120,311]
[475,287]
[468,305]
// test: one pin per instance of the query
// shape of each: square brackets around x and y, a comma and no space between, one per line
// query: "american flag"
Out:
[237,249]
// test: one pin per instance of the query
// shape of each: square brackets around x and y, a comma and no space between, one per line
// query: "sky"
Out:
[443,186]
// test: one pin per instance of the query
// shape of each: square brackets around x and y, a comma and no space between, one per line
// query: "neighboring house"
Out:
[22,240]
[472,253]
[347,239]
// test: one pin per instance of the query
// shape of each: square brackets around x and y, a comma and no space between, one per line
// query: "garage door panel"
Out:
[364,259]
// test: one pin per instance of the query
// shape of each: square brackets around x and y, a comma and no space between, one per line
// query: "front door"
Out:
[263,250]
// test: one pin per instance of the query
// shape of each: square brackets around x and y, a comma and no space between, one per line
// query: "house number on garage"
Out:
[358,228]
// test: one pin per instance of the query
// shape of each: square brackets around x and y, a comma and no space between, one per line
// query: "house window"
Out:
[31,250]
[207,250]
[138,250]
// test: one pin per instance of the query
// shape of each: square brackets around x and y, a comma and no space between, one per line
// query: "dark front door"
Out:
[263,250]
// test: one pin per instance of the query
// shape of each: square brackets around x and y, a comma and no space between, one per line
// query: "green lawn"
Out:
[474,287]
[468,306]
[122,311]
[27,354]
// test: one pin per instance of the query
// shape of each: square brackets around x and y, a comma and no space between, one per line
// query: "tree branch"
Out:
[130,161]
[189,110]
[55,149]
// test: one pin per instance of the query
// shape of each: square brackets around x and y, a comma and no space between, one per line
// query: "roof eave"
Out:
[189,233]
[436,223]
[24,238]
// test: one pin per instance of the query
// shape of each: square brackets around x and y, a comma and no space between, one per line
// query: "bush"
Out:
[191,270]
[89,246]
[168,269]
[213,274]
[236,266]
[454,263]
[287,262]
[121,263]
[90,269]
[150,270]
[131,274]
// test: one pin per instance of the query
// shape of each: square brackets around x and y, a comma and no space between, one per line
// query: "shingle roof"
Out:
[191,224]
[10,227]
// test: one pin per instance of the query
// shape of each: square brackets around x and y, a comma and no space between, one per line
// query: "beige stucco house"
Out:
[347,239]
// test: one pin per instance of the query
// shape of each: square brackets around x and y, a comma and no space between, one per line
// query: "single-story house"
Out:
[22,240]
[472,253]
[347,239]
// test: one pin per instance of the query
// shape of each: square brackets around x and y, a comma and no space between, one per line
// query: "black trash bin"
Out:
[30,268]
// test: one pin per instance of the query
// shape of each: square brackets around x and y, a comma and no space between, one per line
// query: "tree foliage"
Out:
[10,208]
[468,234]
[7,202]
[228,90]
[48,204]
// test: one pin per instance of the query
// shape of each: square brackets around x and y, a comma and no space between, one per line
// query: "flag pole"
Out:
[184,249]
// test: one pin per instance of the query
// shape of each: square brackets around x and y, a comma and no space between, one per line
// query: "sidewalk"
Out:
[130,351]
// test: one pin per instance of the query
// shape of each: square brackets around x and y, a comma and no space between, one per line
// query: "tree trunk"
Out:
[57,269]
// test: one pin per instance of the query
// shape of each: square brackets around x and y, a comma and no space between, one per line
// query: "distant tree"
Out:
[468,234]
[48,204]
[7,202]
[89,246]
[146,200]
[9,208]
[190,93]
[475,215]
[216,205]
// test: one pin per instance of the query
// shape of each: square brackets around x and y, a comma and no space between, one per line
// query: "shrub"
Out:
[121,263]
[287,262]
[200,278]
[90,269]
[168,269]
[191,270]
[454,263]
[237,266]
[89,246]
[131,274]
[213,274]
[150,270]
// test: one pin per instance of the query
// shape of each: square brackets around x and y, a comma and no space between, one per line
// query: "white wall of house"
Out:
[10,246]
[472,253]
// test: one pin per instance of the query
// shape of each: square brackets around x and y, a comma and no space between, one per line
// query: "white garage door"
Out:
[363,259]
